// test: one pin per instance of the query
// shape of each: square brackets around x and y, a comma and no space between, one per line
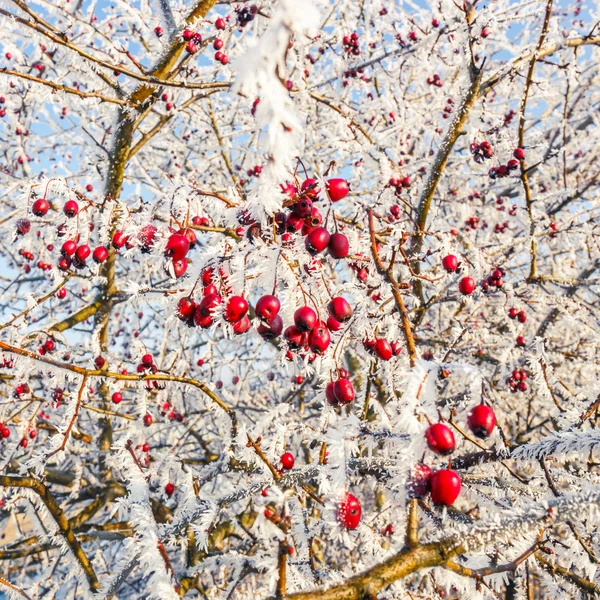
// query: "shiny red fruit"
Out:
[440,439]
[333,325]
[343,391]
[466,285]
[337,189]
[450,263]
[71,208]
[272,329]
[119,239]
[185,308]
[349,511]
[209,303]
[117,397]
[481,421]
[177,246]
[338,246]
[445,487]
[287,461]
[317,240]
[83,252]
[339,308]
[100,254]
[303,208]
[383,349]
[68,248]
[201,319]
[242,325]
[319,338]
[236,309]
[190,235]
[170,489]
[295,337]
[40,207]
[267,308]
[180,267]
[305,318]
[330,395]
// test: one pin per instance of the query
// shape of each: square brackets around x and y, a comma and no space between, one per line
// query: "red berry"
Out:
[71,208]
[147,360]
[450,263]
[339,308]
[100,254]
[272,329]
[440,439]
[521,316]
[287,461]
[190,235]
[40,207]
[117,397]
[177,246]
[169,489]
[180,267]
[445,487]
[383,349]
[83,252]
[119,239]
[68,248]
[482,420]
[185,308]
[242,325]
[218,44]
[319,338]
[148,419]
[519,153]
[317,240]
[267,308]
[236,309]
[521,341]
[295,337]
[338,245]
[349,511]
[466,285]
[220,23]
[337,189]
[512,313]
[99,361]
[305,318]
[333,325]
[209,303]
[343,391]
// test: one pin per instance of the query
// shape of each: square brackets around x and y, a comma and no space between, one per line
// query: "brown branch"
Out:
[63,88]
[412,530]
[580,582]
[389,275]
[522,109]
[128,377]
[14,588]
[61,520]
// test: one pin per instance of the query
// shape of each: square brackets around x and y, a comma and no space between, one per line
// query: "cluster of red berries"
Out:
[520,315]
[495,280]
[202,313]
[481,151]
[308,332]
[32,433]
[341,391]
[306,218]
[47,347]
[4,431]
[517,381]
[395,213]
[471,223]
[444,485]
[350,44]
[448,108]
[399,184]
[435,80]
[193,39]
[246,14]
[382,348]
[509,167]
[76,255]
